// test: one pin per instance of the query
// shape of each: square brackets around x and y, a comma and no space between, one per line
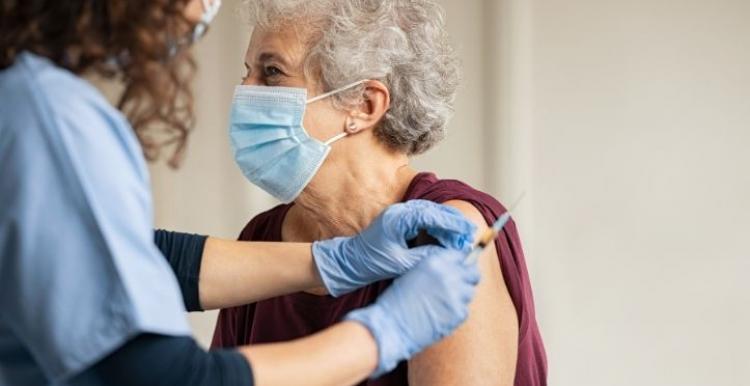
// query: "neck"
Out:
[348,193]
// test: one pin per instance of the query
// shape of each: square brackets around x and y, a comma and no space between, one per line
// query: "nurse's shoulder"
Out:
[46,106]
[75,197]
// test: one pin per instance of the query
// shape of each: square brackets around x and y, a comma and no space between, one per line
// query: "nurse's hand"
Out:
[380,252]
[421,307]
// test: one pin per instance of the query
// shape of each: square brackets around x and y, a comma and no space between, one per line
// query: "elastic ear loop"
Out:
[336,138]
[210,9]
[326,95]
[336,91]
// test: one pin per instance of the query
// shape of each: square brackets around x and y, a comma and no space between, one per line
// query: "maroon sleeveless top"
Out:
[297,315]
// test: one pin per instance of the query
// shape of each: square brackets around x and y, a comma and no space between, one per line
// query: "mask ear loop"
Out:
[210,10]
[330,93]
[336,138]
[336,91]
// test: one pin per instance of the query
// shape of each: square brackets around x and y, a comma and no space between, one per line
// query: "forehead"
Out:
[286,41]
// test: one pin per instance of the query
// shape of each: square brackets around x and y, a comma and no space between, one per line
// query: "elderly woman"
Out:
[339,94]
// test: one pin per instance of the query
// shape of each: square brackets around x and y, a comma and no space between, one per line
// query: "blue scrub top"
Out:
[79,271]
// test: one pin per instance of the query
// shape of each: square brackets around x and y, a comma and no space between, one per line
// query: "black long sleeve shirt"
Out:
[151,359]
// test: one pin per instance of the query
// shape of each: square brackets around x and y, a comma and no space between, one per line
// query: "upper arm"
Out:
[483,351]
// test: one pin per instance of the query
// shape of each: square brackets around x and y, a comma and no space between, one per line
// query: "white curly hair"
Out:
[402,43]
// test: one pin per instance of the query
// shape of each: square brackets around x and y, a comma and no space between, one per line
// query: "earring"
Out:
[352,126]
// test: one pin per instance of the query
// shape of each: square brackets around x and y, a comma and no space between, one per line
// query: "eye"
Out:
[271,71]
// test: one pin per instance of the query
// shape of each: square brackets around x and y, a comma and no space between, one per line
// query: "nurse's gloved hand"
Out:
[421,307]
[380,252]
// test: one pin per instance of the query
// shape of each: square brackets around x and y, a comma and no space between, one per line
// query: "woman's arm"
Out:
[320,359]
[340,355]
[233,273]
[418,309]
[483,351]
[373,340]
[215,273]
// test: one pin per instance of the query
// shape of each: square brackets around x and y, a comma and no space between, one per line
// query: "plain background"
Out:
[626,122]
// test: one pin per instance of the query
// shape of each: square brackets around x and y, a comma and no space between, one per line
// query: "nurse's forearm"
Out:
[233,273]
[214,273]
[340,355]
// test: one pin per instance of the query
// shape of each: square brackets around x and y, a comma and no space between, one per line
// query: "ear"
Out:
[366,116]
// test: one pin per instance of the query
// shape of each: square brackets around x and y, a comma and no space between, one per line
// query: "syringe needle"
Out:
[487,236]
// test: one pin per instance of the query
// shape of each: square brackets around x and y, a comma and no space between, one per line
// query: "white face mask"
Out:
[210,10]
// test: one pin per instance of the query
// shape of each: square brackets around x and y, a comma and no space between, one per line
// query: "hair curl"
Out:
[128,40]
[402,43]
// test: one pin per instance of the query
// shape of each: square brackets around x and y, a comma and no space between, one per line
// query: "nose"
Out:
[251,80]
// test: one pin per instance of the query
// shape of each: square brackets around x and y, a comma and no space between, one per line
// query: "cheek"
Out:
[322,123]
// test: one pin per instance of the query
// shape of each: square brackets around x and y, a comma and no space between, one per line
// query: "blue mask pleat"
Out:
[270,145]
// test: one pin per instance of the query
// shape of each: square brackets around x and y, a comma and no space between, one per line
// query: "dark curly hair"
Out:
[127,40]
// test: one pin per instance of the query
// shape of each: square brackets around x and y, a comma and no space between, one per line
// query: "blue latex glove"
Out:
[421,307]
[380,251]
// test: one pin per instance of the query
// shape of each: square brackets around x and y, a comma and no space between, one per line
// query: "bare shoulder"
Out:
[483,351]
[470,211]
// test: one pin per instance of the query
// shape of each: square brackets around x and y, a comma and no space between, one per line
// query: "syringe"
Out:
[489,235]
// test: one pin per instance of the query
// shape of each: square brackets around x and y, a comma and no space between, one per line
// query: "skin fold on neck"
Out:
[348,192]
[356,183]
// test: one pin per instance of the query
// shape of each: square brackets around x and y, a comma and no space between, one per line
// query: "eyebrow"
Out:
[268,57]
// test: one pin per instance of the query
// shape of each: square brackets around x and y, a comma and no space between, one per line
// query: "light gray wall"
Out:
[641,114]
[625,122]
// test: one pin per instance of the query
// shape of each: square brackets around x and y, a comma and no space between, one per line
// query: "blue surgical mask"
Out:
[270,145]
